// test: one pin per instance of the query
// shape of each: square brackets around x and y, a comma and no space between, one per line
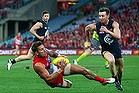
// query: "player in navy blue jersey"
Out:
[109,33]
[40,31]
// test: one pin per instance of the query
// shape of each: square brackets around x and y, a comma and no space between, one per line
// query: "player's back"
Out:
[41,31]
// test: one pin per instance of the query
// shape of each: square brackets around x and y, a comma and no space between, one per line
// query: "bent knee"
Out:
[111,61]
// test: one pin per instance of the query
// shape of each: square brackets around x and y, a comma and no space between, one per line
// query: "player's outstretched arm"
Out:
[40,69]
[88,28]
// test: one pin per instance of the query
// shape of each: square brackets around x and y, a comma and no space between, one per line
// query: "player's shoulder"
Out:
[38,59]
[91,25]
[115,23]
[39,23]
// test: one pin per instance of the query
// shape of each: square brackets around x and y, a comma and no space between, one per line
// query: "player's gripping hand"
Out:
[41,37]
[62,64]
[103,28]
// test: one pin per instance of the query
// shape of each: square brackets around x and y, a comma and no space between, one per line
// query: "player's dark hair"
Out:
[35,46]
[44,12]
[105,9]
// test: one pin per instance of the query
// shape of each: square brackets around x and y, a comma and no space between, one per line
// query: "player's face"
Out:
[41,51]
[103,17]
[45,17]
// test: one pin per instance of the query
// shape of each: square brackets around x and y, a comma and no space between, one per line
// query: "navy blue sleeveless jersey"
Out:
[41,31]
[108,42]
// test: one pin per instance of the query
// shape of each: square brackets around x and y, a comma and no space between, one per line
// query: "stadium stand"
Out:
[7,5]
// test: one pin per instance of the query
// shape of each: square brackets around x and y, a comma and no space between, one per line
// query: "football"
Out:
[58,59]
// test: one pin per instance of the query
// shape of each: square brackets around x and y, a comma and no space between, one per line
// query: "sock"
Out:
[13,61]
[106,62]
[81,57]
[98,78]
[120,76]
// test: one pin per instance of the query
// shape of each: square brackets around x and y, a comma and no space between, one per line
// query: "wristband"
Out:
[59,71]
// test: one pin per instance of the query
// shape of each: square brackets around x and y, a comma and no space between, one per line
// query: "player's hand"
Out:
[62,64]
[103,28]
[41,37]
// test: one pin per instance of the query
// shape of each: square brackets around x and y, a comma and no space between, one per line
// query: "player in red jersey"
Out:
[18,41]
[53,75]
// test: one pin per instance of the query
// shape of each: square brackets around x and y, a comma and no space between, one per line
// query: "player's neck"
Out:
[106,23]
[45,21]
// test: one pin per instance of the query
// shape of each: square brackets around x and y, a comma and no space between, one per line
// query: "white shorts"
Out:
[67,69]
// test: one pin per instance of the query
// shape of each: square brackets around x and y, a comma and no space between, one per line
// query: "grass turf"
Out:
[22,78]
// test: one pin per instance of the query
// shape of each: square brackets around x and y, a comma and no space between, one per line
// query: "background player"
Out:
[54,77]
[18,41]
[89,50]
[40,31]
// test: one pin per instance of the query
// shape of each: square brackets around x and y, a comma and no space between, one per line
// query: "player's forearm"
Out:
[115,35]
[53,77]
[34,33]
[87,33]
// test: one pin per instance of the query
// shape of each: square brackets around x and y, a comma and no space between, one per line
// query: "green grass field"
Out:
[23,80]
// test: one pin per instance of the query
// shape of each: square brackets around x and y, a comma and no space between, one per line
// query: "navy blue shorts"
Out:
[95,43]
[116,54]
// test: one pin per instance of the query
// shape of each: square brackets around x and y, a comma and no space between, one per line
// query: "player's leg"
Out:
[108,56]
[120,66]
[16,49]
[106,63]
[66,83]
[25,57]
[88,51]
[20,58]
[84,55]
[76,69]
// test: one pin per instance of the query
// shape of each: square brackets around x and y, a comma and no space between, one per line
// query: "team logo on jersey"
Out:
[45,27]
[108,39]
[46,33]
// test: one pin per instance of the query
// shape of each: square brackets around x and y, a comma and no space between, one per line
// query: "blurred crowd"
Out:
[7,5]
[128,16]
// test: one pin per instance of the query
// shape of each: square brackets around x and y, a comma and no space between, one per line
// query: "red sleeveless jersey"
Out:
[47,63]
[43,60]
